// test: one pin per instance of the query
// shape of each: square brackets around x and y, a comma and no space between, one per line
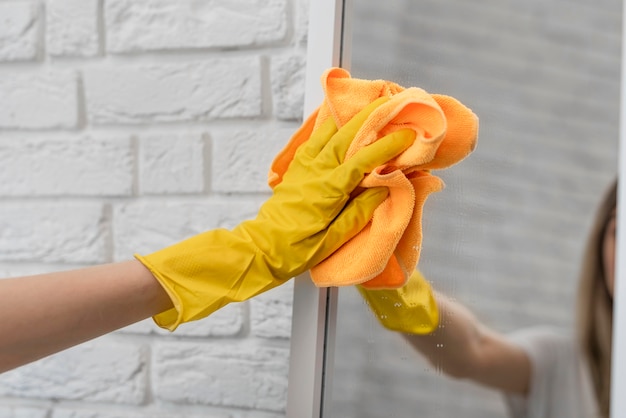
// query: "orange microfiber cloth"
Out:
[385,253]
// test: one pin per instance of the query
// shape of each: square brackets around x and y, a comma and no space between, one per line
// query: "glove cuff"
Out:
[206,272]
[171,318]
[411,309]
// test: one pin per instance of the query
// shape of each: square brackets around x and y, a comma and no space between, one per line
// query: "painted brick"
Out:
[193,91]
[288,86]
[19,31]
[23,412]
[171,163]
[115,72]
[160,411]
[236,374]
[146,226]
[240,160]
[302,23]
[53,232]
[107,372]
[66,167]
[38,100]
[72,28]
[146,25]
[271,312]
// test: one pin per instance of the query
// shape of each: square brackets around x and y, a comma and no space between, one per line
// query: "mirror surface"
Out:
[506,235]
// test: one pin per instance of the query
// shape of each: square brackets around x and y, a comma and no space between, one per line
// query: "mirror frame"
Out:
[315,309]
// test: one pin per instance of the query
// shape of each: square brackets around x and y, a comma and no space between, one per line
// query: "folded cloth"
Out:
[386,251]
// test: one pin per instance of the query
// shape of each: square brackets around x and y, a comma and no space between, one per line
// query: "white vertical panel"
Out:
[313,307]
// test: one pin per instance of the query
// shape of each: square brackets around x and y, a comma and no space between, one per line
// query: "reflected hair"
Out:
[595,305]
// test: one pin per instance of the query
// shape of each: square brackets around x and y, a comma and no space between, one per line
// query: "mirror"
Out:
[506,235]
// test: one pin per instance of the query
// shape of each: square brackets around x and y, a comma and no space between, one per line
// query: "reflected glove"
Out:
[410,309]
[310,214]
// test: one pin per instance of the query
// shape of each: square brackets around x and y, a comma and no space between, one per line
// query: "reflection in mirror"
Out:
[505,238]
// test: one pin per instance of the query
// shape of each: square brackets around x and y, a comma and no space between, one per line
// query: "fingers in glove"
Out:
[351,220]
[337,147]
[350,173]
[318,139]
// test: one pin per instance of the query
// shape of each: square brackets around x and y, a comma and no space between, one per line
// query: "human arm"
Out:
[47,313]
[310,214]
[465,348]
[449,336]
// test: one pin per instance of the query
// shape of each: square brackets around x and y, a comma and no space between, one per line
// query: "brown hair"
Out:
[595,305]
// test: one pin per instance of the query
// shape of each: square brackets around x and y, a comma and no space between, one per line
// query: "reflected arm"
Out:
[47,313]
[463,347]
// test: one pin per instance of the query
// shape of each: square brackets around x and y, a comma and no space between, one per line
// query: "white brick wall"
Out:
[20,25]
[166,25]
[72,28]
[215,88]
[38,98]
[127,125]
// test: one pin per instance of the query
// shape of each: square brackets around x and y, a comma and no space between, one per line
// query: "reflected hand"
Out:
[411,309]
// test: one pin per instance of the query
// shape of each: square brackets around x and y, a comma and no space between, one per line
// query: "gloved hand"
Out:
[309,216]
[410,309]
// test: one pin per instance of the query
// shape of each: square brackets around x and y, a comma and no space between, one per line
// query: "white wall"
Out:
[125,126]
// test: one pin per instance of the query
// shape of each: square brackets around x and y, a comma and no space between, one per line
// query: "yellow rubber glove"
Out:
[308,217]
[410,309]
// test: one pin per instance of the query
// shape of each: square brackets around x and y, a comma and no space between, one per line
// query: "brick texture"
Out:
[44,99]
[146,25]
[72,28]
[126,126]
[166,92]
[19,31]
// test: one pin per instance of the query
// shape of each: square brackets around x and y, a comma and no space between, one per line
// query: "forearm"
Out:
[44,314]
[463,347]
[451,346]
